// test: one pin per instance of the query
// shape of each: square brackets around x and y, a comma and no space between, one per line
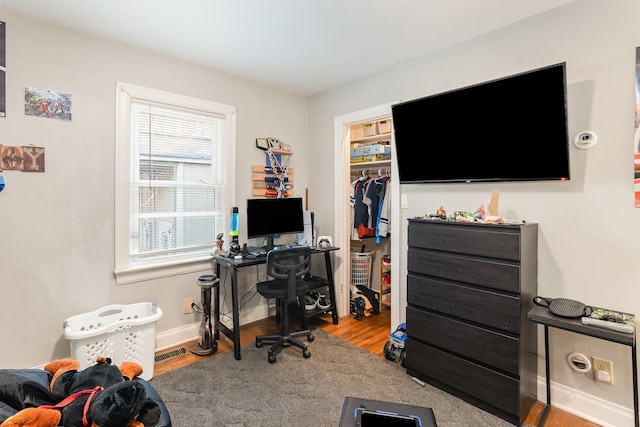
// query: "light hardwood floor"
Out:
[370,333]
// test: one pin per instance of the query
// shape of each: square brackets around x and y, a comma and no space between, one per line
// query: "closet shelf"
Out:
[367,165]
[373,138]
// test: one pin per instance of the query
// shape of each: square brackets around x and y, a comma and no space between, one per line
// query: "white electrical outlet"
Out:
[603,370]
[186,306]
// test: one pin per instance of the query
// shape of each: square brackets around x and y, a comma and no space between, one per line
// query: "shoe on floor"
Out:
[309,302]
[323,302]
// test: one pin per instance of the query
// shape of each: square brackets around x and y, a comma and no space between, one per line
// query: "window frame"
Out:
[124,270]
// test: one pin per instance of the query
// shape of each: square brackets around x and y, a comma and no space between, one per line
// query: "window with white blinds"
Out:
[178,156]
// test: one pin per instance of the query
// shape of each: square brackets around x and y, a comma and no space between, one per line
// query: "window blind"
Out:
[177,181]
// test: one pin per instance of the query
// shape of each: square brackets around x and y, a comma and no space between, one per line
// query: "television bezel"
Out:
[564,163]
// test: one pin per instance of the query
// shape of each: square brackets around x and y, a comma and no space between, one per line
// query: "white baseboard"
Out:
[586,406]
[177,336]
[182,334]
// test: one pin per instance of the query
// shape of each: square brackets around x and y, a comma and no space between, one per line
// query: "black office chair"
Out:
[287,267]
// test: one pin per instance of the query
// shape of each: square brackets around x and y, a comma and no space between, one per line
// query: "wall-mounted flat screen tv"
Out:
[509,129]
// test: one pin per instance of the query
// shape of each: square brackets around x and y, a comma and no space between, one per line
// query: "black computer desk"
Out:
[233,265]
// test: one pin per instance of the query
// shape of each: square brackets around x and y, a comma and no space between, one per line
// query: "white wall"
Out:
[57,227]
[589,229]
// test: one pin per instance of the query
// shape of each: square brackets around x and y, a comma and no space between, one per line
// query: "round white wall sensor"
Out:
[585,140]
[579,362]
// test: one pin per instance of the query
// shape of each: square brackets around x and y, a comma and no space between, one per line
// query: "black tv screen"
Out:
[509,129]
[272,217]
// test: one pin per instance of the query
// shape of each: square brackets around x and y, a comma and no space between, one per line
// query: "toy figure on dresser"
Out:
[440,214]
[493,203]
[219,243]
[477,216]
[494,217]
[462,216]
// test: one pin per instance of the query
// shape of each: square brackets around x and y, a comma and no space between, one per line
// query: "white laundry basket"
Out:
[361,268]
[123,333]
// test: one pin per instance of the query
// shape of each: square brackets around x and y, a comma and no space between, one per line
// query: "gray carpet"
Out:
[222,391]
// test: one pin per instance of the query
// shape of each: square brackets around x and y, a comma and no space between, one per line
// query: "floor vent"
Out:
[170,354]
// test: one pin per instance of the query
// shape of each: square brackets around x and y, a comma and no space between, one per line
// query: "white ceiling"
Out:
[299,46]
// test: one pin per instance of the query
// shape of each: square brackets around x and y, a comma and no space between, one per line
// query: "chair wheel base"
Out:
[279,343]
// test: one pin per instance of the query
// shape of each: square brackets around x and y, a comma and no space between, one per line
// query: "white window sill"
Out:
[125,276]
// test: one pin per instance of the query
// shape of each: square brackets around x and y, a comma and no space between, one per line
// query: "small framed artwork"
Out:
[47,103]
[636,132]
[33,159]
[262,143]
[12,158]
[3,70]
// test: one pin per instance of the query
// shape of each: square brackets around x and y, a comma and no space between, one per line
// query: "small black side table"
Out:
[543,316]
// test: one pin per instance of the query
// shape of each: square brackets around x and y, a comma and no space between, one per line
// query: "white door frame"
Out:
[342,211]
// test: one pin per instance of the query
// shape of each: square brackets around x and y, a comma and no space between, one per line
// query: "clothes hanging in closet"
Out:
[383,225]
[369,210]
[361,223]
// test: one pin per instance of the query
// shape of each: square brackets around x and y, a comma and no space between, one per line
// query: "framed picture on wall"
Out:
[3,69]
[636,133]
[47,103]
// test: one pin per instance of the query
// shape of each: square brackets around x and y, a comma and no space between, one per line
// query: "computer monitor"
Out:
[269,218]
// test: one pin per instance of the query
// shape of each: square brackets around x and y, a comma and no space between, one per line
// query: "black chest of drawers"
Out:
[469,289]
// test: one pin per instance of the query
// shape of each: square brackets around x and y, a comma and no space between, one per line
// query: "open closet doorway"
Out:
[349,127]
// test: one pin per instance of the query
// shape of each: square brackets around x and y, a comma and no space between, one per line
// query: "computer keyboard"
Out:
[256,251]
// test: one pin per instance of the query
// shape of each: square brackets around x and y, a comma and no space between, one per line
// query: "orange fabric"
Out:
[59,367]
[33,417]
[364,231]
[131,369]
